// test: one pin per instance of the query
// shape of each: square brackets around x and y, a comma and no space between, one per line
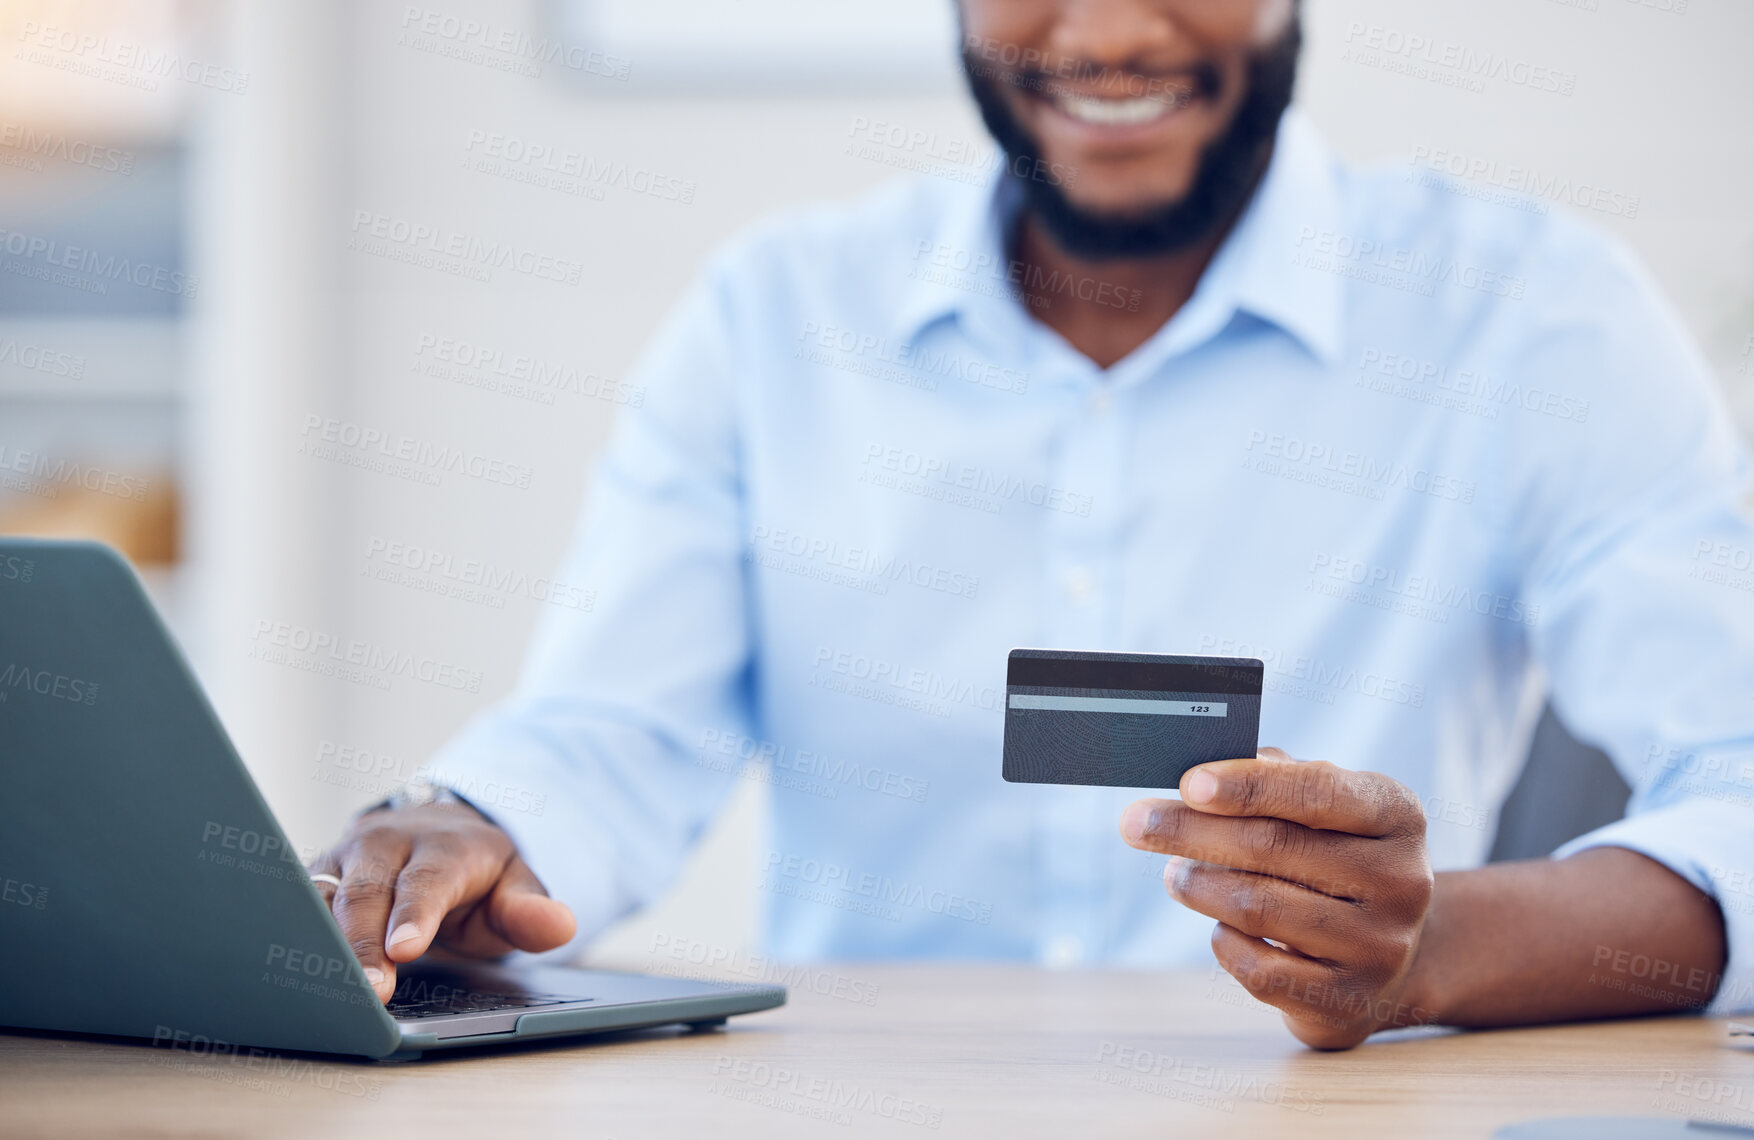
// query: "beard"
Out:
[1229,166]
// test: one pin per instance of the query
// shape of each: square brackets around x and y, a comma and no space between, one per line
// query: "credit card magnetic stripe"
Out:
[1049,668]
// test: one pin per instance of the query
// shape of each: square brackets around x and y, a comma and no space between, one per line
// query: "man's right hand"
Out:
[441,873]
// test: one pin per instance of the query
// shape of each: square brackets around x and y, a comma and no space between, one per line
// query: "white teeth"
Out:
[1113,112]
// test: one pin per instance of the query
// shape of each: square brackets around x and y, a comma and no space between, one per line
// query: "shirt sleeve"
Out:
[596,764]
[1640,550]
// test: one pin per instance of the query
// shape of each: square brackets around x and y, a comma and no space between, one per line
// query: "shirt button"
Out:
[1063,951]
[1080,585]
[1100,401]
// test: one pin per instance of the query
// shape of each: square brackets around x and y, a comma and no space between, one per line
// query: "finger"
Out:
[327,863]
[1316,794]
[1321,860]
[1312,924]
[368,879]
[523,913]
[1319,1011]
[440,876]
[517,914]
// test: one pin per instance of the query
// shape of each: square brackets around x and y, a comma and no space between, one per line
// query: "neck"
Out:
[1115,305]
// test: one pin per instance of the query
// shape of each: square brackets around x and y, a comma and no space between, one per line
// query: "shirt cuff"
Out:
[1711,845]
[529,794]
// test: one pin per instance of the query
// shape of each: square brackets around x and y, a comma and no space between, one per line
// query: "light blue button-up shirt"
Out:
[1431,458]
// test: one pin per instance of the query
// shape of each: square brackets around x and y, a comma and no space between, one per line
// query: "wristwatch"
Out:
[415,793]
[422,793]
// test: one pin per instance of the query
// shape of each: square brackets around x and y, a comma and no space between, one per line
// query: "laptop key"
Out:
[449,1005]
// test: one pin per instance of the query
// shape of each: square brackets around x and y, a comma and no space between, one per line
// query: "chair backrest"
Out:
[1567,788]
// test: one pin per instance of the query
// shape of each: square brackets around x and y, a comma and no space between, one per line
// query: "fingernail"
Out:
[375,976]
[1202,787]
[1172,871]
[403,933]
[1136,821]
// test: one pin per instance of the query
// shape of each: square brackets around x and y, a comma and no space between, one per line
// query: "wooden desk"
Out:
[983,1051]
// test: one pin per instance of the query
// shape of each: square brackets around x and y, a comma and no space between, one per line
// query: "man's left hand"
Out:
[1319,881]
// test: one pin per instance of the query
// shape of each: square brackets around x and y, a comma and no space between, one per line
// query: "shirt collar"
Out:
[971,231]
[1298,195]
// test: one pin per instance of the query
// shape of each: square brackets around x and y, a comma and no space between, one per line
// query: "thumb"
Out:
[520,911]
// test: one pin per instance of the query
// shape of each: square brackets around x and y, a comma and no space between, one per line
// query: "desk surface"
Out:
[888,1050]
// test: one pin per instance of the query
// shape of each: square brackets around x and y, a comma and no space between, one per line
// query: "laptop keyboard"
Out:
[470,1001]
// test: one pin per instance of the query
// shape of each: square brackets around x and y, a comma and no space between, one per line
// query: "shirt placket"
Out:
[1083,560]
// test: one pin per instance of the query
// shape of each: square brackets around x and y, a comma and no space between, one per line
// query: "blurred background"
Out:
[250,250]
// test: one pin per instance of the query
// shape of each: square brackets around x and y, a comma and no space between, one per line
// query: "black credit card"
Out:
[1127,720]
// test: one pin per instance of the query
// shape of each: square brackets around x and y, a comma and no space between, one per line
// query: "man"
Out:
[1176,382]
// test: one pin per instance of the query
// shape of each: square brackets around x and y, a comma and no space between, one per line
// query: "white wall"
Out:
[1659,110]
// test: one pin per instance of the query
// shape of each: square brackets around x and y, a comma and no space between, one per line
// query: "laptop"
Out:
[147,891]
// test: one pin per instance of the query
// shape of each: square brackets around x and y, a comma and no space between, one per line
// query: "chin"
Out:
[1128,202]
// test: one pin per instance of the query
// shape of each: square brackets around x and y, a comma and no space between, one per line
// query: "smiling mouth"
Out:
[1118,112]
